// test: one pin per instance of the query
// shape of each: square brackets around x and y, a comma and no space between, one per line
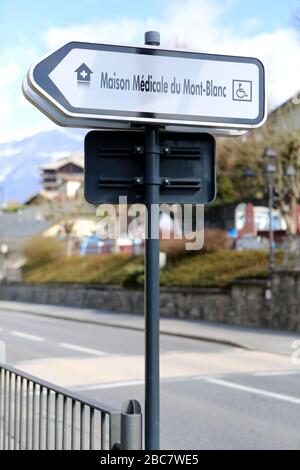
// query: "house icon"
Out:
[83,73]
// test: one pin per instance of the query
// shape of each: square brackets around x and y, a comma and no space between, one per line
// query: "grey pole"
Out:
[152,183]
[271,233]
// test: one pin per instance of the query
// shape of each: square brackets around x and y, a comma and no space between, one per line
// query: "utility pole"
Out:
[271,231]
[270,157]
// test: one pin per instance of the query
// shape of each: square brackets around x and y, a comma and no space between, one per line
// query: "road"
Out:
[212,396]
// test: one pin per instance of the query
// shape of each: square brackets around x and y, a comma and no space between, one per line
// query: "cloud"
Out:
[251,25]
[21,133]
[193,24]
[179,24]
[126,30]
[9,72]
[13,66]
[198,24]
[280,52]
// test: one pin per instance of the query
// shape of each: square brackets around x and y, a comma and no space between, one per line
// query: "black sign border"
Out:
[43,69]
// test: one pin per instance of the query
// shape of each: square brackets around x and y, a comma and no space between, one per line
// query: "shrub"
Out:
[98,269]
[215,269]
[39,251]
[135,277]
[201,270]
[215,240]
[173,248]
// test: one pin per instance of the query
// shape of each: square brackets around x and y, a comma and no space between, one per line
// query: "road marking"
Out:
[256,391]
[133,383]
[167,380]
[129,383]
[20,334]
[74,347]
[275,374]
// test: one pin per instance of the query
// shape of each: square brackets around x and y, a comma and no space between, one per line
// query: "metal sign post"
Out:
[152,184]
[152,376]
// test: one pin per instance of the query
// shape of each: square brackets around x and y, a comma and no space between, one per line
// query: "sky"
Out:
[267,29]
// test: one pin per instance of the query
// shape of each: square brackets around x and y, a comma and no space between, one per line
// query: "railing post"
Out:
[131,426]
[114,431]
[38,418]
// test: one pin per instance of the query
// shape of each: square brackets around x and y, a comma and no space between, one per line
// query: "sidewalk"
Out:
[242,337]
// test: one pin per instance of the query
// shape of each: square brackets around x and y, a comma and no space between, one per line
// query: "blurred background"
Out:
[71,302]
[45,223]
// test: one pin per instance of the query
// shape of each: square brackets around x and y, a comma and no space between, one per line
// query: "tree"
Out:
[65,213]
[287,181]
[234,156]
[39,250]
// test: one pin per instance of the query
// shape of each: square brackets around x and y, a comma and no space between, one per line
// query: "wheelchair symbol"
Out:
[242,90]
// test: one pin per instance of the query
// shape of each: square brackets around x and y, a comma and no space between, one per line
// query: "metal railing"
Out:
[37,415]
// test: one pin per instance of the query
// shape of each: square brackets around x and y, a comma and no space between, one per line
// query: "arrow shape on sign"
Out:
[151,85]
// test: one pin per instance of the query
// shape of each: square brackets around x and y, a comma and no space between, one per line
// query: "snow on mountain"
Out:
[9,152]
[20,160]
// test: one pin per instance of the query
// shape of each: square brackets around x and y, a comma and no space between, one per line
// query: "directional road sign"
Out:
[52,113]
[125,84]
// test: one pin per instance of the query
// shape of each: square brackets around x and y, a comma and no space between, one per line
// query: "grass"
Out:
[105,269]
[216,269]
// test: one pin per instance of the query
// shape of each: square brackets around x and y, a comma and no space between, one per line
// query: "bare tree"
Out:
[287,183]
[65,213]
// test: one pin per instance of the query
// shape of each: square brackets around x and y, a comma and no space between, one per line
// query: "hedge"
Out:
[200,270]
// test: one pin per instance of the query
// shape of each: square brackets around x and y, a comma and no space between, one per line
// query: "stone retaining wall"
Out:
[242,303]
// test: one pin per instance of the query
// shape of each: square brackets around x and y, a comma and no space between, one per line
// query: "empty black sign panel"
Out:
[115,166]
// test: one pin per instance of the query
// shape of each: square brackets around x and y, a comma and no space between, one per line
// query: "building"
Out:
[68,190]
[287,116]
[39,199]
[15,229]
[66,170]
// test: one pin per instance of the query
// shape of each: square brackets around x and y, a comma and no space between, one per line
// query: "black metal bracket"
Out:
[143,181]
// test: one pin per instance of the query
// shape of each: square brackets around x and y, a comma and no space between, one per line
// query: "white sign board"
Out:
[52,113]
[151,85]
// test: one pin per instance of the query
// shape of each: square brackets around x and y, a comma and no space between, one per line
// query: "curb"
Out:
[207,339]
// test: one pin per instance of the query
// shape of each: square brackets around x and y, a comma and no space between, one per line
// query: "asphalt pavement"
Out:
[257,339]
[213,395]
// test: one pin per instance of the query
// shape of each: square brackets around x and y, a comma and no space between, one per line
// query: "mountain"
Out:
[20,160]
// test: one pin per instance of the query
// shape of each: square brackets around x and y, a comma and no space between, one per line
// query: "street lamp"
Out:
[4,252]
[270,157]
[290,175]
[290,172]
[4,249]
